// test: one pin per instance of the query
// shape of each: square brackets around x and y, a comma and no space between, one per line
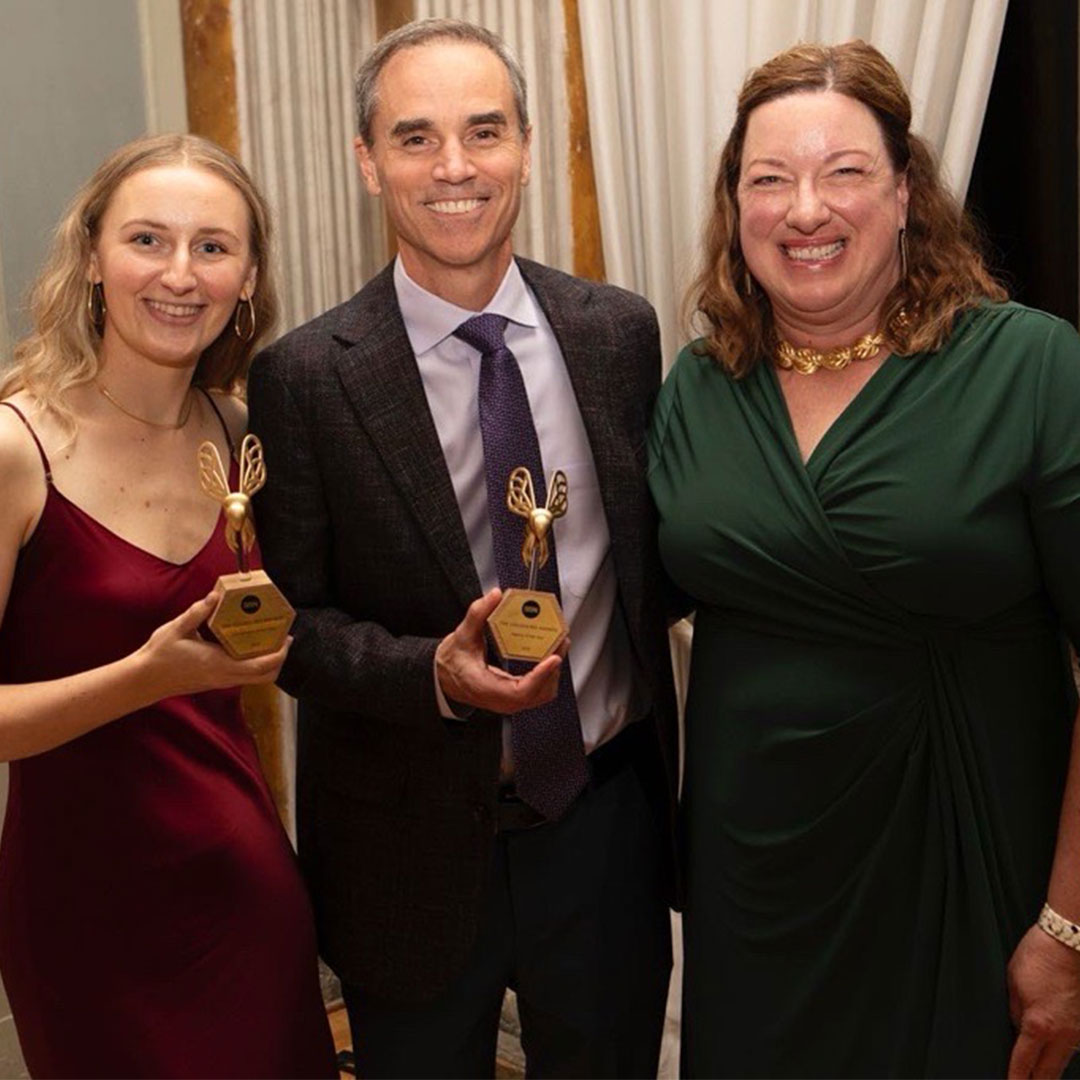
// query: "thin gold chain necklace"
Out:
[185,413]
[806,360]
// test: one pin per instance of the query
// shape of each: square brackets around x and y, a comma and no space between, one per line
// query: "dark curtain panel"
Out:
[1024,184]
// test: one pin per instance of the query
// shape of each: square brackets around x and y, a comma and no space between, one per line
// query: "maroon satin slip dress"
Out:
[153,921]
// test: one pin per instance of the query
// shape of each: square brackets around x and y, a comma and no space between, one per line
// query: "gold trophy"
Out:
[252,617]
[527,624]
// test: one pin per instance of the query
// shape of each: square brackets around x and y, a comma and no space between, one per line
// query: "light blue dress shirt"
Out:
[450,370]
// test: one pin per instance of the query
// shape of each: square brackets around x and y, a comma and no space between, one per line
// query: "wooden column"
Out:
[210,71]
[389,15]
[210,79]
[584,206]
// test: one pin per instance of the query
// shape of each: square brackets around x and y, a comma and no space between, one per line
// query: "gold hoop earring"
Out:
[237,321]
[95,306]
[903,255]
[748,283]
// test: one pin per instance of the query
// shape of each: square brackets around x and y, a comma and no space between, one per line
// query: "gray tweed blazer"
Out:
[360,528]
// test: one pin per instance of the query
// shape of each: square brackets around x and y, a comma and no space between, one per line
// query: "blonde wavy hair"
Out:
[62,349]
[947,273]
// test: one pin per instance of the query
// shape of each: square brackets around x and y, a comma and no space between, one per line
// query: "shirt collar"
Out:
[430,320]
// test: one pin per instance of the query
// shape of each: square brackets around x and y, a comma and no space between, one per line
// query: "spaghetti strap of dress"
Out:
[37,442]
[224,426]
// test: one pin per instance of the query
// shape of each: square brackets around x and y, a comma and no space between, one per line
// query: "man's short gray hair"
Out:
[421,32]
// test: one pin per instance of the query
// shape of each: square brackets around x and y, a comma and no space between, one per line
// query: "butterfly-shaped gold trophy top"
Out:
[239,523]
[521,500]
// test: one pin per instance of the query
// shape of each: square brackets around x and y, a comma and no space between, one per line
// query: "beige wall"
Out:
[5,338]
[77,79]
[72,89]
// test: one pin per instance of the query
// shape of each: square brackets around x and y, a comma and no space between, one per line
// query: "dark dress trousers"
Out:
[360,528]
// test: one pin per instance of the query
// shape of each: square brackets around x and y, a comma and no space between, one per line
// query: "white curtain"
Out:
[294,66]
[663,79]
[536,31]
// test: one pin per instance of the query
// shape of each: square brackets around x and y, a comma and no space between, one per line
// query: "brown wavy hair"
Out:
[947,273]
[62,349]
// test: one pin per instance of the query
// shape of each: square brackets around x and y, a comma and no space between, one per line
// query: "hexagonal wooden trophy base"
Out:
[527,625]
[252,618]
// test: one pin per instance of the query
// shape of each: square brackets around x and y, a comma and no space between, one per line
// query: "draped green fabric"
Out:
[880,701]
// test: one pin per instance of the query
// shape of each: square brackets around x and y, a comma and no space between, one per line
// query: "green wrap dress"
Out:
[880,703]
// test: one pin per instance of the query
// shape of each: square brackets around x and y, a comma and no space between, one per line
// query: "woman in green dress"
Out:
[868,476]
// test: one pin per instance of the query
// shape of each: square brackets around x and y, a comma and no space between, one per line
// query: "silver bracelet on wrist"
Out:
[1059,928]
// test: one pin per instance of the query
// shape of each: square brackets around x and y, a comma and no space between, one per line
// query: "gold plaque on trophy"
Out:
[528,624]
[252,617]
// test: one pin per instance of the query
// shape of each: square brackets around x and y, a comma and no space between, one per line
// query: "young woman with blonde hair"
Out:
[152,918]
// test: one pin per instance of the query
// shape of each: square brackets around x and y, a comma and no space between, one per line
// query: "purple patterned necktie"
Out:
[549,757]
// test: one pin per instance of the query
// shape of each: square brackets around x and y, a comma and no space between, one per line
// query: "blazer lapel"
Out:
[382,382]
[587,339]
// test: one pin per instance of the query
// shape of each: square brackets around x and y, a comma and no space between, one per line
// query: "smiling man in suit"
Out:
[466,828]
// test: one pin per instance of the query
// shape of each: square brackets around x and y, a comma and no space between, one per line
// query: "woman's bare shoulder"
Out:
[22,472]
[18,450]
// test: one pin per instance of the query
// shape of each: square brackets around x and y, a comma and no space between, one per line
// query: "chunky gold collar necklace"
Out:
[806,361]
